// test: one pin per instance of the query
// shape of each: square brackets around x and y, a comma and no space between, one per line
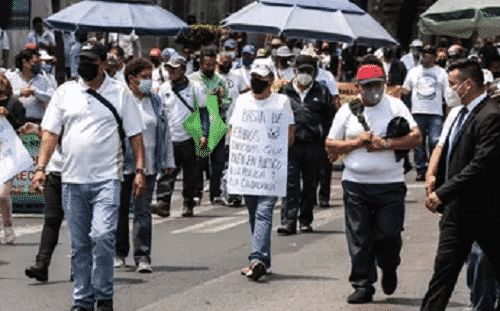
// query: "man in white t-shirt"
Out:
[43,38]
[91,147]
[428,83]
[261,207]
[373,180]
[178,93]
[411,59]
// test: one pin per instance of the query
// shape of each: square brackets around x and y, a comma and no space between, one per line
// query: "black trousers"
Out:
[374,220]
[54,216]
[303,163]
[455,241]
[185,157]
[324,177]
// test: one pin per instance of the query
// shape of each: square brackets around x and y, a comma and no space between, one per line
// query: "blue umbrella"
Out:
[145,18]
[330,20]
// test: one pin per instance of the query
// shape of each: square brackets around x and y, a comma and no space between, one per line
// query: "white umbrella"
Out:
[145,18]
[330,20]
[462,18]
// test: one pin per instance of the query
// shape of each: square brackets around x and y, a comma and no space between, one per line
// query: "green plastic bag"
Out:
[218,128]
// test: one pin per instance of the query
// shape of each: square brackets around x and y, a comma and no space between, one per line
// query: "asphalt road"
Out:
[196,263]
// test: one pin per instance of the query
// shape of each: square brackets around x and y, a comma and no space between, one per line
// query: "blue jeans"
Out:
[484,289]
[374,218]
[92,214]
[261,210]
[142,220]
[430,126]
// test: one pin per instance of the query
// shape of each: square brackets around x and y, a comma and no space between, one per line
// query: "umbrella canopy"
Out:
[145,18]
[462,18]
[330,20]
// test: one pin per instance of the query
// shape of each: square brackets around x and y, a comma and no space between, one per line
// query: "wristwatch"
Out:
[139,171]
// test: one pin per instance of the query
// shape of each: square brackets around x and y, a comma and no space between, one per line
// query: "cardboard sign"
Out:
[14,158]
[258,153]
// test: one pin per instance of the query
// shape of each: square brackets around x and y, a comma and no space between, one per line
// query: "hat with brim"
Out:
[370,73]
[45,56]
[248,49]
[176,62]
[284,51]
[261,69]
[94,51]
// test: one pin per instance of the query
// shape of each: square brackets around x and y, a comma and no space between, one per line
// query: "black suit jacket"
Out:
[472,191]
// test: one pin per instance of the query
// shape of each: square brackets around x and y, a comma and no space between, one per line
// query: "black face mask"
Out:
[208,74]
[496,75]
[259,86]
[88,71]
[389,54]
[35,69]
[225,69]
[441,62]
[284,63]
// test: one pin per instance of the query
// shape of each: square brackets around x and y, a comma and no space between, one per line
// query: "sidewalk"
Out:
[316,276]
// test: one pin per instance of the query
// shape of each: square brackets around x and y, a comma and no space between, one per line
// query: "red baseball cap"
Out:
[370,73]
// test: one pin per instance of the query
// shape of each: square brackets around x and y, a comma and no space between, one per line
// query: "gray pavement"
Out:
[197,265]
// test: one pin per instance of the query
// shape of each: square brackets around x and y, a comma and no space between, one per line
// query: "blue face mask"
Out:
[47,68]
[247,62]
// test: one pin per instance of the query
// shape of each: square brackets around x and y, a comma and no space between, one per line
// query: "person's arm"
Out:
[44,95]
[430,176]
[47,148]
[339,146]
[291,135]
[139,186]
[205,127]
[407,142]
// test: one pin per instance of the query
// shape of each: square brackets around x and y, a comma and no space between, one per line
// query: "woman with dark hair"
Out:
[13,110]
[159,158]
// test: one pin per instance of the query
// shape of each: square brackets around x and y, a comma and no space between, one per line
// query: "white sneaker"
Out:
[144,267]
[10,236]
[119,262]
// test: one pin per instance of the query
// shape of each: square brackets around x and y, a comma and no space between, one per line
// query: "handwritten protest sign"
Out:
[258,153]
[14,158]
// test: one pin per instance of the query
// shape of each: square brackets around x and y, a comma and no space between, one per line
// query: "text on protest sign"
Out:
[258,153]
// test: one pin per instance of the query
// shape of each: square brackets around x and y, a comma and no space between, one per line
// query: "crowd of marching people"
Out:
[115,130]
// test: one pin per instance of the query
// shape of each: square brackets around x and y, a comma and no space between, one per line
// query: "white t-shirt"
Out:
[245,74]
[127,42]
[150,121]
[177,112]
[35,104]
[158,74]
[274,101]
[90,142]
[326,78]
[409,61]
[235,85]
[361,166]
[428,86]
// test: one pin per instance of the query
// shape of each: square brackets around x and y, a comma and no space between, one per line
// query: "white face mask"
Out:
[285,73]
[145,86]
[452,98]
[304,79]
